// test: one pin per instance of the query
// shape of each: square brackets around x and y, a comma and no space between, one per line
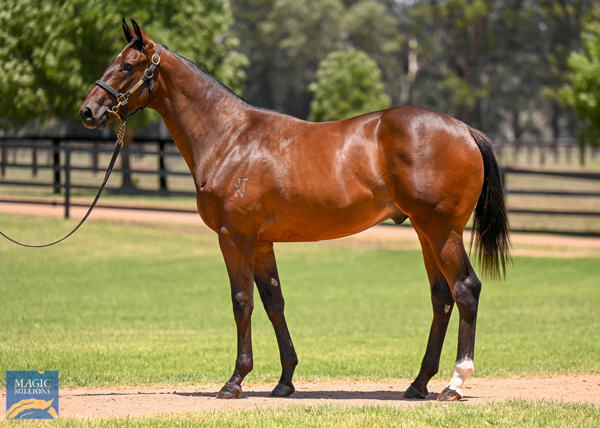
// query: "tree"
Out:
[44,72]
[495,64]
[348,84]
[582,93]
[52,53]
[371,27]
[454,40]
[285,40]
[562,22]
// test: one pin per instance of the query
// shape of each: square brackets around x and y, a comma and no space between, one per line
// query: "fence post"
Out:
[56,164]
[67,181]
[34,158]
[162,168]
[3,161]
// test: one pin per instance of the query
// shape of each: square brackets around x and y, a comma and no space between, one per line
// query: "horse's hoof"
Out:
[450,394]
[229,391]
[282,390]
[414,392]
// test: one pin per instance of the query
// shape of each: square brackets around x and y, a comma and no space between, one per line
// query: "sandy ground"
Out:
[123,401]
[131,401]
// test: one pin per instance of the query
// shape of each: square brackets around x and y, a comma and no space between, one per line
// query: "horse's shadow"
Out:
[323,395]
[375,395]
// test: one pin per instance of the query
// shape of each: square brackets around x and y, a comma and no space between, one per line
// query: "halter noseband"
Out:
[123,97]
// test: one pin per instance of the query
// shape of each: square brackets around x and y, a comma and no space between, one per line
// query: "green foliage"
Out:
[462,96]
[286,40]
[53,51]
[200,31]
[46,59]
[582,93]
[371,28]
[454,41]
[294,24]
[348,84]
[495,64]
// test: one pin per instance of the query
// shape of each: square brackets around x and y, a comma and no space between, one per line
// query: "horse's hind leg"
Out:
[453,261]
[465,291]
[269,287]
[442,302]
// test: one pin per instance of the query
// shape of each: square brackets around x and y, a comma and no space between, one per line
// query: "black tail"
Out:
[490,223]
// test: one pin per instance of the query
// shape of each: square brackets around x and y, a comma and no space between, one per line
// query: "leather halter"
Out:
[123,97]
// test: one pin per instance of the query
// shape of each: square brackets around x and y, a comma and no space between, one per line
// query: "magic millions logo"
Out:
[31,395]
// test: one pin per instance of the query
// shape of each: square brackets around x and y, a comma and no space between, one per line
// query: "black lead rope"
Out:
[118,146]
[122,99]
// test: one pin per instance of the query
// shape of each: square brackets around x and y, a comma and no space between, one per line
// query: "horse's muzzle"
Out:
[94,119]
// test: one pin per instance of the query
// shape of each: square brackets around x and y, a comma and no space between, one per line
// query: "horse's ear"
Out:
[127,31]
[138,33]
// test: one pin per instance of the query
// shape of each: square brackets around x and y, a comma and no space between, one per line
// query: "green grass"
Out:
[139,305]
[510,414]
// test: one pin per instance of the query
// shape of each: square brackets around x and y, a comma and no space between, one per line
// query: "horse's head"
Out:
[127,83]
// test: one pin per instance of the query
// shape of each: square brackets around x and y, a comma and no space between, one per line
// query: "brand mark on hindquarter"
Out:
[240,187]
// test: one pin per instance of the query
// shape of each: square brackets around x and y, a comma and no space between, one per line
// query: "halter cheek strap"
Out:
[123,97]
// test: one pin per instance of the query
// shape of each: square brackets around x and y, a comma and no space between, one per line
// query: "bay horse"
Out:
[263,177]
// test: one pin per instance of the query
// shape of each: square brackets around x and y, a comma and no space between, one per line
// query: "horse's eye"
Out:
[127,68]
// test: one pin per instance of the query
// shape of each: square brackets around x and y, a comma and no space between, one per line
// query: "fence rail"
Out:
[73,164]
[60,152]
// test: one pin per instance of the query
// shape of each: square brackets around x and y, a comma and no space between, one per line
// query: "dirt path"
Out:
[128,401]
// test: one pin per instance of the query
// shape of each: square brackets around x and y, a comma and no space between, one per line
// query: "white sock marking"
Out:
[462,371]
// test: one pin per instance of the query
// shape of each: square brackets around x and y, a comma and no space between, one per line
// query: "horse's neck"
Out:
[197,110]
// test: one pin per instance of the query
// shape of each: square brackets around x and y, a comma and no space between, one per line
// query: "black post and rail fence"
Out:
[69,159]
[17,155]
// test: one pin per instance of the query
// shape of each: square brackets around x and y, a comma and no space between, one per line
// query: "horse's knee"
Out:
[243,305]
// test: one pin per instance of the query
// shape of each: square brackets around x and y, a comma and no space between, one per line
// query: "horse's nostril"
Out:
[86,113]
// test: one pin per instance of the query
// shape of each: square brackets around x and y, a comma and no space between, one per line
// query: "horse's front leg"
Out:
[238,252]
[269,287]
